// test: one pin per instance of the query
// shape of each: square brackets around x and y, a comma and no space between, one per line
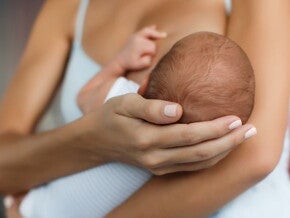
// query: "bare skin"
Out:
[137,54]
[101,42]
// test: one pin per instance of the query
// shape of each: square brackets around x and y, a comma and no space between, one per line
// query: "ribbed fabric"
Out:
[90,194]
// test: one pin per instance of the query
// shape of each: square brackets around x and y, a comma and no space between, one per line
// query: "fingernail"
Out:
[8,201]
[170,110]
[251,132]
[235,124]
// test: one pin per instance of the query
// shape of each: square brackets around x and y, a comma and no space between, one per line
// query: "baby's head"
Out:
[208,74]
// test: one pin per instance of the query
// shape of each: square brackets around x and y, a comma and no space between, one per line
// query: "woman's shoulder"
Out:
[62,14]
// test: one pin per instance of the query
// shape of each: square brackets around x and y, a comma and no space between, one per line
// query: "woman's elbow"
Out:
[264,160]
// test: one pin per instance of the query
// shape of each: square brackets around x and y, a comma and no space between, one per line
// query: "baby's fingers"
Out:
[152,33]
[145,61]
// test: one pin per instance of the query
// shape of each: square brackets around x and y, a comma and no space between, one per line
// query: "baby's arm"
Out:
[137,54]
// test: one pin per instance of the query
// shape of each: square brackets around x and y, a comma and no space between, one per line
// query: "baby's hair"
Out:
[208,74]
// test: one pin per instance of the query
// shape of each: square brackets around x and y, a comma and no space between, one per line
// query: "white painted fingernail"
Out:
[235,124]
[170,110]
[8,201]
[251,132]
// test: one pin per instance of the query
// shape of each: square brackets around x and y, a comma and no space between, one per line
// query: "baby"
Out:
[208,74]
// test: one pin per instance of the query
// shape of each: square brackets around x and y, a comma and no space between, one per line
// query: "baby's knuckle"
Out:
[138,39]
[145,30]
[153,46]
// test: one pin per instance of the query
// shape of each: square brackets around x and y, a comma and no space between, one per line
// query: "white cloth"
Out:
[122,86]
[92,193]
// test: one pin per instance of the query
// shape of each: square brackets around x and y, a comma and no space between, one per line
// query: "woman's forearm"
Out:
[262,29]
[29,160]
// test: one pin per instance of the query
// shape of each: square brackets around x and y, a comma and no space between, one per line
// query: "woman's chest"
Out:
[106,32]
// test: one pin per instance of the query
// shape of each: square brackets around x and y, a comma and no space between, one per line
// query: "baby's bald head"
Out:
[208,74]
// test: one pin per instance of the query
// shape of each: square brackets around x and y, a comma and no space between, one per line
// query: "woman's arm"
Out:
[261,27]
[24,155]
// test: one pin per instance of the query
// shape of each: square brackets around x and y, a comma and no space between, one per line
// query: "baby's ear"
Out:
[144,85]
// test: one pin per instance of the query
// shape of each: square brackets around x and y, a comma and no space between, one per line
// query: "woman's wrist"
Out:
[42,157]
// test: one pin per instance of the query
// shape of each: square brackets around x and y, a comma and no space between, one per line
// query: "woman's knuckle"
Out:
[143,142]
[150,161]
[235,140]
[148,110]
[124,101]
[189,136]
[218,130]
[202,154]
[158,172]
[128,99]
[211,163]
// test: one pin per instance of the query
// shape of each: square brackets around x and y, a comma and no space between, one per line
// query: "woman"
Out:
[47,52]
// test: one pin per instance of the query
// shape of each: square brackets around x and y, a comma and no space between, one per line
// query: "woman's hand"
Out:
[120,133]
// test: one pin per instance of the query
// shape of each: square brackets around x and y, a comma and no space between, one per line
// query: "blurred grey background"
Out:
[16,19]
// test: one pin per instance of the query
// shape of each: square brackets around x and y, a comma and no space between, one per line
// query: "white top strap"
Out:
[80,20]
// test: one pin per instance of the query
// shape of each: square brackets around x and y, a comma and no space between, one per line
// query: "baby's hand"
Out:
[140,49]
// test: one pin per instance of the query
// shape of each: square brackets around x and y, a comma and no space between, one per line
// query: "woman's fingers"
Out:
[190,134]
[206,151]
[189,166]
[209,149]
[153,111]
[175,147]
